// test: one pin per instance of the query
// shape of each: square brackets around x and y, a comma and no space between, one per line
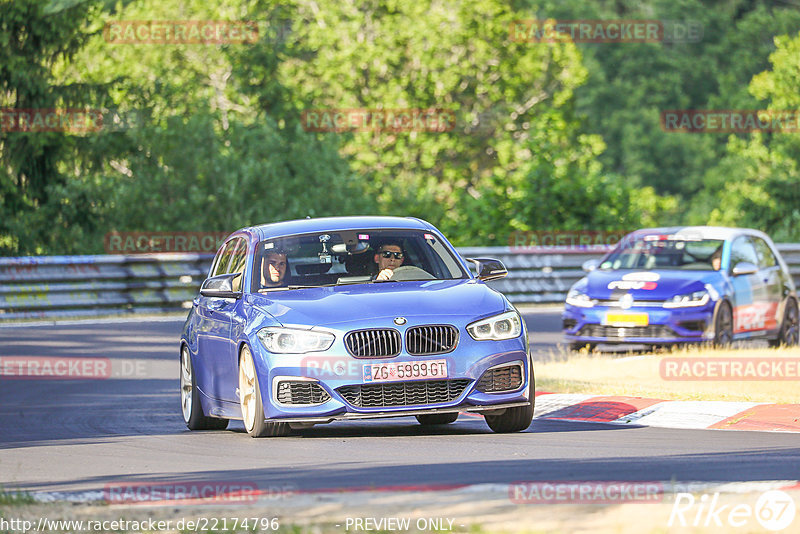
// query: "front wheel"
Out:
[723,326]
[511,420]
[193,414]
[790,330]
[250,401]
[437,418]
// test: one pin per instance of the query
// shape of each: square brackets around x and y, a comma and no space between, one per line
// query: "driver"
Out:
[273,268]
[716,259]
[389,257]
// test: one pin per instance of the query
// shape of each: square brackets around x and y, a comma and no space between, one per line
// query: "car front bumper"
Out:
[664,325]
[339,374]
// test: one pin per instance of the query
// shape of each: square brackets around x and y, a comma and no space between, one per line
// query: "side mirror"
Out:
[489,268]
[744,267]
[590,265]
[221,286]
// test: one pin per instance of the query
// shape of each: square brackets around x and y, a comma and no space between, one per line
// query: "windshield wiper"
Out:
[286,288]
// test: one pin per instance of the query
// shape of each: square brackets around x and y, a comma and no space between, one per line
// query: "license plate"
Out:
[392,371]
[627,319]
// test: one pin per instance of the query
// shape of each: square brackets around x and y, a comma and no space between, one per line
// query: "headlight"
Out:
[698,298]
[578,298]
[504,326]
[294,341]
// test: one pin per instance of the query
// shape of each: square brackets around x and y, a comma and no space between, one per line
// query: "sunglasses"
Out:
[389,254]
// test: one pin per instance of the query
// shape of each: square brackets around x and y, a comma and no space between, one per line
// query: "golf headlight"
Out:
[575,297]
[698,298]
[504,326]
[294,341]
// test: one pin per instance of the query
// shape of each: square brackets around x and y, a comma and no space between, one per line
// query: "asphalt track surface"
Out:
[77,435]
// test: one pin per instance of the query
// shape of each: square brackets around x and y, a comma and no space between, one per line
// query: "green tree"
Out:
[35,38]
[758,182]
[513,103]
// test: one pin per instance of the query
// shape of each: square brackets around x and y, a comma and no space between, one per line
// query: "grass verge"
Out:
[647,375]
[8,498]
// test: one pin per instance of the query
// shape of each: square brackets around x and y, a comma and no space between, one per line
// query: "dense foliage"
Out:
[562,135]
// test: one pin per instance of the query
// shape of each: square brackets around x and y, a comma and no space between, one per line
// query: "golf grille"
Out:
[431,339]
[627,332]
[403,393]
[506,378]
[301,392]
[378,343]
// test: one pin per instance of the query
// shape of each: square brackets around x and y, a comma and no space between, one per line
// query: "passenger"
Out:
[389,257]
[273,269]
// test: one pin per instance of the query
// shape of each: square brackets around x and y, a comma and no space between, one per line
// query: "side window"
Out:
[743,250]
[766,258]
[223,258]
[237,263]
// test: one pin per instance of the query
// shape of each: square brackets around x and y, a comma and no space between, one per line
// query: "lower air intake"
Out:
[499,379]
[413,393]
[301,392]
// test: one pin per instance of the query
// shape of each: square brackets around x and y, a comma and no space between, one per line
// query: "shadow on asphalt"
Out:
[763,465]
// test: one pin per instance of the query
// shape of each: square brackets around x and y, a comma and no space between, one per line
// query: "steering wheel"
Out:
[410,272]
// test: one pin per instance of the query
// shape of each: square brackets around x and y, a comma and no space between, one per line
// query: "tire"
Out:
[437,418]
[790,329]
[192,410]
[579,346]
[250,401]
[512,420]
[723,326]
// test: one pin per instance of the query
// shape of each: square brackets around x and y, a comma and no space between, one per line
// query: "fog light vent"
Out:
[301,392]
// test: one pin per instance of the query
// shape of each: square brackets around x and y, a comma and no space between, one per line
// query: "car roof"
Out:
[705,232]
[330,224]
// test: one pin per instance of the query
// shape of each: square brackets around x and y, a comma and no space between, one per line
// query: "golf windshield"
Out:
[669,252]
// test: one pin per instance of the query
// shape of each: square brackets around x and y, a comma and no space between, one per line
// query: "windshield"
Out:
[668,252]
[352,257]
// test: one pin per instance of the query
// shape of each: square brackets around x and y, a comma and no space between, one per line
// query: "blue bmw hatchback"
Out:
[681,285]
[317,320]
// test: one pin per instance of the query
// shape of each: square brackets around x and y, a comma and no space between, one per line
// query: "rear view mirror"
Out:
[590,265]
[489,268]
[744,267]
[221,286]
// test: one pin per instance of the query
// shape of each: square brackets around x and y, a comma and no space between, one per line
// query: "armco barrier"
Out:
[57,286]
[67,286]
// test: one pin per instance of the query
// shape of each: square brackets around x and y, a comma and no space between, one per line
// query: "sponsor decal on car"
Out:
[631,284]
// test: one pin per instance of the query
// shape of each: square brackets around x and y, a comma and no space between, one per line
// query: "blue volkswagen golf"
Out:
[318,320]
[681,285]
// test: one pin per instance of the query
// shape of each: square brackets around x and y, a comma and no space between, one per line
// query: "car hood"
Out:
[646,285]
[365,304]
